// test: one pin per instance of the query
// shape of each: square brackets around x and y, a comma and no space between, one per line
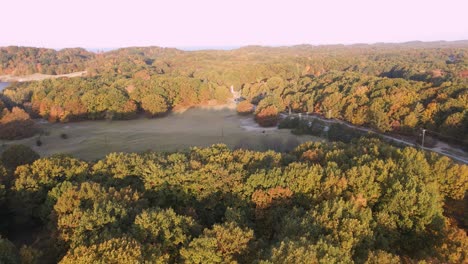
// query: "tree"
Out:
[30,255]
[165,228]
[303,251]
[154,104]
[245,107]
[378,117]
[116,250]
[410,121]
[8,252]
[16,124]
[222,243]
[34,181]
[16,155]
[88,213]
[452,178]
[410,208]
[382,257]
[267,116]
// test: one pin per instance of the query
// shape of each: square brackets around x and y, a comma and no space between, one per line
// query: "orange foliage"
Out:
[268,116]
[312,155]
[464,74]
[16,124]
[245,107]
[266,199]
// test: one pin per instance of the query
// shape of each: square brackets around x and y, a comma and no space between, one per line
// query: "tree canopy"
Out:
[397,88]
[363,202]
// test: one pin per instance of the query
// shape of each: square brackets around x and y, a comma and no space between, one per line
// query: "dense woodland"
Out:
[362,202]
[398,88]
[26,60]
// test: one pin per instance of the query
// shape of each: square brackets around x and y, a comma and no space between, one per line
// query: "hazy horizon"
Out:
[233,47]
[206,23]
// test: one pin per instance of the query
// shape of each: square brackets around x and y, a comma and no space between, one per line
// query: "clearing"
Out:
[91,140]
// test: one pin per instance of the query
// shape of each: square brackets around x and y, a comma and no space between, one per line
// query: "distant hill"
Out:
[26,60]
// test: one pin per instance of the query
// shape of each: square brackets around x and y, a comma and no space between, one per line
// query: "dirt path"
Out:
[39,77]
[441,148]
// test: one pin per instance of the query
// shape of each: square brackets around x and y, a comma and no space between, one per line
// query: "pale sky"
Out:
[177,23]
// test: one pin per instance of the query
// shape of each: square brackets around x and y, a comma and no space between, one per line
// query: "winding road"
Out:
[437,149]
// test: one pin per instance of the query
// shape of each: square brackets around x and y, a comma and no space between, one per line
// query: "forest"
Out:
[351,199]
[362,202]
[392,88]
[27,60]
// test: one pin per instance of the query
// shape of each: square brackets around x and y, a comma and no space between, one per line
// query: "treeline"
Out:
[386,104]
[64,100]
[424,61]
[27,60]
[363,202]
[397,88]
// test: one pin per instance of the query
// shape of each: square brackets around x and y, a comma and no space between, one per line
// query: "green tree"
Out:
[34,181]
[222,243]
[8,252]
[154,104]
[165,228]
[123,250]
[89,213]
[16,155]
[378,118]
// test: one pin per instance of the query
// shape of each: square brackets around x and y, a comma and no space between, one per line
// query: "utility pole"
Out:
[222,129]
[423,134]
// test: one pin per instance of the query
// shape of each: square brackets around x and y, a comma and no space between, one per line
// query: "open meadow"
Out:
[91,140]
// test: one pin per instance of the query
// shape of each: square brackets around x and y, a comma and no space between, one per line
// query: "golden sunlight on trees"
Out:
[16,124]
[267,116]
[245,107]
[154,105]
[215,205]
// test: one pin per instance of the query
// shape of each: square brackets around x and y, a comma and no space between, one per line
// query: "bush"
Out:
[303,126]
[339,132]
[289,122]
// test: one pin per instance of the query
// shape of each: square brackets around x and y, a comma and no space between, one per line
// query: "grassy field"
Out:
[196,127]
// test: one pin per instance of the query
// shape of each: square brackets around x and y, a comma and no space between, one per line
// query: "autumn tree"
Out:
[154,104]
[16,124]
[245,107]
[16,155]
[222,243]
